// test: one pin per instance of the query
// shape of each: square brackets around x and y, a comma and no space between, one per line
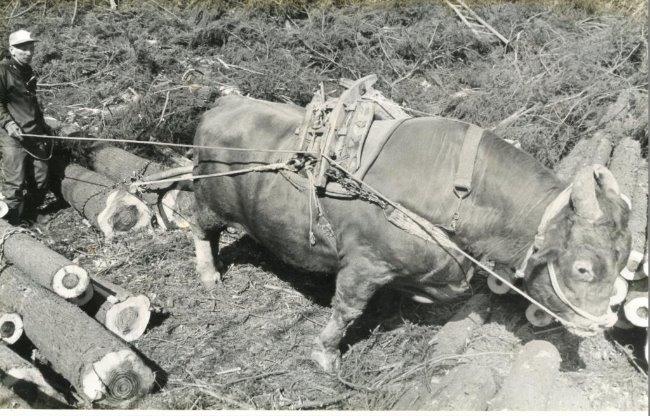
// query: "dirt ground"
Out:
[246,344]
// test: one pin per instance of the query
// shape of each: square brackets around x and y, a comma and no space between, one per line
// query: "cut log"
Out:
[638,222]
[84,298]
[11,327]
[620,291]
[97,363]
[176,209]
[111,210]
[43,265]
[27,381]
[124,167]
[595,150]
[121,312]
[4,208]
[636,303]
[624,164]
[465,387]
[537,317]
[453,336]
[534,382]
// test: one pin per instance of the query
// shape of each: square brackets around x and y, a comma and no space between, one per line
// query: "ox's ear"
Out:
[541,257]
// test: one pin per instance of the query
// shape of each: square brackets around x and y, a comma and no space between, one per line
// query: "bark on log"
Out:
[26,381]
[535,383]
[638,222]
[595,150]
[97,363]
[122,166]
[111,210]
[465,387]
[452,337]
[121,312]
[43,265]
[176,209]
[624,163]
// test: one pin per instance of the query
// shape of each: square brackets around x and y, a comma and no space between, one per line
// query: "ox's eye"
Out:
[583,270]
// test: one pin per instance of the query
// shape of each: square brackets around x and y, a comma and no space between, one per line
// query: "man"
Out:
[24,158]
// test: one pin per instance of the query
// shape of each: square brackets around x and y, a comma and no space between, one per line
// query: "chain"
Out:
[355,188]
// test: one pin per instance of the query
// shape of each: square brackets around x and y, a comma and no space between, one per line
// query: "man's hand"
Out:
[13,130]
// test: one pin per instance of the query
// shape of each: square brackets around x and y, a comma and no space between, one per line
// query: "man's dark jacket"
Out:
[18,99]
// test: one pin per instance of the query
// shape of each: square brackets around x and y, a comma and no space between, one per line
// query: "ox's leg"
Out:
[355,285]
[206,247]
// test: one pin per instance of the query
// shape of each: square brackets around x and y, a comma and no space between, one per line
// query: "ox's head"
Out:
[586,245]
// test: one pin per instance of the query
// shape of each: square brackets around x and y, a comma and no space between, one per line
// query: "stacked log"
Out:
[26,381]
[46,267]
[121,312]
[97,363]
[11,326]
[636,303]
[638,222]
[173,200]
[96,197]
[595,150]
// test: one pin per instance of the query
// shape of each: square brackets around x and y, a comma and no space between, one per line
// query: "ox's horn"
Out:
[583,194]
[606,181]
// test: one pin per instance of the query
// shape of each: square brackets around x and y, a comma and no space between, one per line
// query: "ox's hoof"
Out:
[328,360]
[210,280]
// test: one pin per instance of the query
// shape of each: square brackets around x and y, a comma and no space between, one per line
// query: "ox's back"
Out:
[510,189]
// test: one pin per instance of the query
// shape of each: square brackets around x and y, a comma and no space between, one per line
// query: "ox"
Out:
[587,241]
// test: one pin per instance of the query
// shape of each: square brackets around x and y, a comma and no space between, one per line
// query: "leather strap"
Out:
[465,170]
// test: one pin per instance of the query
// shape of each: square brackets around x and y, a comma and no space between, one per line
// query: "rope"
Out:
[453,246]
[155,143]
[11,231]
[264,168]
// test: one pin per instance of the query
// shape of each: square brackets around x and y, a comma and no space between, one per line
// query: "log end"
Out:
[84,297]
[4,209]
[118,377]
[497,286]
[620,291]
[123,212]
[636,311]
[11,327]
[537,317]
[129,319]
[70,281]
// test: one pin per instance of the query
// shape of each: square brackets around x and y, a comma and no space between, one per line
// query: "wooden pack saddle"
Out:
[338,128]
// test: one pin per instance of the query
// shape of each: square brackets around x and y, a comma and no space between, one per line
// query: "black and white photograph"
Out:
[323,205]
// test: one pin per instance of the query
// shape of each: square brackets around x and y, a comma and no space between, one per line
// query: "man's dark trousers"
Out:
[25,178]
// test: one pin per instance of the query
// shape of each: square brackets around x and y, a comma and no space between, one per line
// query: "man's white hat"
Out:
[20,36]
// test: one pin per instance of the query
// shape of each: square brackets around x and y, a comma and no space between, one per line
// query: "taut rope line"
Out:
[154,143]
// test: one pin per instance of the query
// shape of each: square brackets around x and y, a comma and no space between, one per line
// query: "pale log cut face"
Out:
[588,243]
